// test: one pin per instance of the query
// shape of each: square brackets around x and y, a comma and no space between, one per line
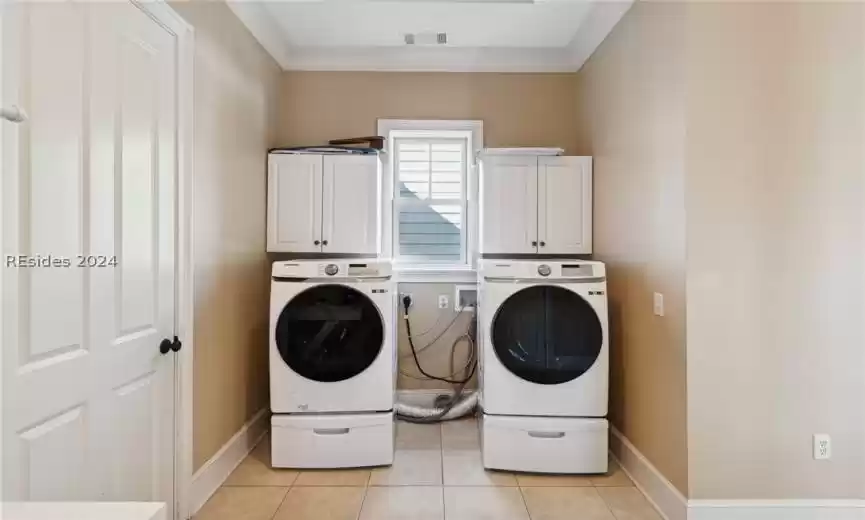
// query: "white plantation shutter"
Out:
[430,200]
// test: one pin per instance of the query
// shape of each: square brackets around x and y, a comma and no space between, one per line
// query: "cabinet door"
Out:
[351,206]
[294,184]
[565,205]
[509,204]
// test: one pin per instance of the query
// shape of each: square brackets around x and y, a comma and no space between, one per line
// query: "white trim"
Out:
[662,494]
[160,11]
[600,20]
[435,275]
[594,29]
[431,59]
[776,509]
[215,471]
[417,128]
[672,504]
[264,28]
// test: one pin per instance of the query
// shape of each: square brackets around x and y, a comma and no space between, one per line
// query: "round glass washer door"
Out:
[546,335]
[329,333]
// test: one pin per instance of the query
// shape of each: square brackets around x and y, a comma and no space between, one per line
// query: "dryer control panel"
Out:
[546,269]
[342,268]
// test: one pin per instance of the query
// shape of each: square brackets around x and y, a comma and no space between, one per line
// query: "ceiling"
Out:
[482,35]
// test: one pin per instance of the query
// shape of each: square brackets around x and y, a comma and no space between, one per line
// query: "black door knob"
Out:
[317,242]
[534,242]
[543,243]
[167,345]
[324,243]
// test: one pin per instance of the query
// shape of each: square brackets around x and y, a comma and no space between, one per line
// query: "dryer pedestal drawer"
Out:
[332,441]
[544,444]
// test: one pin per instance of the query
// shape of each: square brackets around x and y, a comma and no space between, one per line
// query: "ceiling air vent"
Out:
[427,38]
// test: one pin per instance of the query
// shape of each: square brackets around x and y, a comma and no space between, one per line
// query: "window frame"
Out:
[472,131]
[462,202]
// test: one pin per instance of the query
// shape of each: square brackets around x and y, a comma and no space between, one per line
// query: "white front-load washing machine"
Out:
[544,365]
[332,363]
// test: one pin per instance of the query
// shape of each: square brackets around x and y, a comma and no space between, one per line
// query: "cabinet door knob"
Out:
[324,243]
[317,242]
[534,242]
[543,243]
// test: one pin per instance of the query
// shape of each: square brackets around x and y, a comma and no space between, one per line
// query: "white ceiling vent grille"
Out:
[427,38]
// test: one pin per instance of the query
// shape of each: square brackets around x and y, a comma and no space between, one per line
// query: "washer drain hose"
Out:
[465,406]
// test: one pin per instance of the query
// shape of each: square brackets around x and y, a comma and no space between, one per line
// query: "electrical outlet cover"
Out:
[822,446]
[443,301]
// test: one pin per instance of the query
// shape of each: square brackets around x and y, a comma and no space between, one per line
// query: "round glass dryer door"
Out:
[546,335]
[329,333]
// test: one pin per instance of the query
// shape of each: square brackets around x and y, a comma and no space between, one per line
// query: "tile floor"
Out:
[436,475]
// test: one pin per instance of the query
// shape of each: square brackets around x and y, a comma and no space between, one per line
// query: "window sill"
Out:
[435,274]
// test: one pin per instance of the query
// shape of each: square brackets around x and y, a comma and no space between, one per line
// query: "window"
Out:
[430,202]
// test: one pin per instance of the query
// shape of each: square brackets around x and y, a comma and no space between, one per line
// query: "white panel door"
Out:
[565,205]
[509,204]
[88,237]
[350,201]
[294,184]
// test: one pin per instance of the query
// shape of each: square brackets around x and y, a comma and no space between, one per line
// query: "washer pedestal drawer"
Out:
[544,444]
[332,441]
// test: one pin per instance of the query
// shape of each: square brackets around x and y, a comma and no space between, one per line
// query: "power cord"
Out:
[406,303]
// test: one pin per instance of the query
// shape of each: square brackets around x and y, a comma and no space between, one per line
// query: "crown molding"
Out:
[602,17]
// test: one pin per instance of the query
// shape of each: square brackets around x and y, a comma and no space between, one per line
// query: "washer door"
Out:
[329,333]
[546,335]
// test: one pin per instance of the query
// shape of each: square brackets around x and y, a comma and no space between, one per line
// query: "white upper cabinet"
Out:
[564,205]
[350,205]
[536,204]
[323,204]
[509,204]
[294,189]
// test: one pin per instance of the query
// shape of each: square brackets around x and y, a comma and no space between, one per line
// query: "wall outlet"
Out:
[403,295]
[658,304]
[444,303]
[822,446]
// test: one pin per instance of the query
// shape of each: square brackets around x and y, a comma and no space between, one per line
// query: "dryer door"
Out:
[546,334]
[329,333]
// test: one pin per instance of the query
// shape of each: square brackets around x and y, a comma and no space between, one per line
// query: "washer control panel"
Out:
[331,269]
[544,270]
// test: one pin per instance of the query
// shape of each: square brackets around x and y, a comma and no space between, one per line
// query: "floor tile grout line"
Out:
[285,496]
[525,503]
[604,500]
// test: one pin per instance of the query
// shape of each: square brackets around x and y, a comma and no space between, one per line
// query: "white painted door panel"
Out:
[565,205]
[294,191]
[88,400]
[509,205]
[350,203]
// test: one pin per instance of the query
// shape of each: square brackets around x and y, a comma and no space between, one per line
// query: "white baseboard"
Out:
[213,473]
[672,505]
[776,510]
[662,494]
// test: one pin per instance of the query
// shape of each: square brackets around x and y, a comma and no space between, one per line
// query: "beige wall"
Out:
[735,131]
[776,249]
[236,86]
[631,113]
[517,109]
[426,316]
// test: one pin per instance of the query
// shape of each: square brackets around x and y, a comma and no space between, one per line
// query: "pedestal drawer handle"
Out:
[330,431]
[547,435]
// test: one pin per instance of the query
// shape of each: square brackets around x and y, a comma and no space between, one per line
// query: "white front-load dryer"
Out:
[332,363]
[544,365]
